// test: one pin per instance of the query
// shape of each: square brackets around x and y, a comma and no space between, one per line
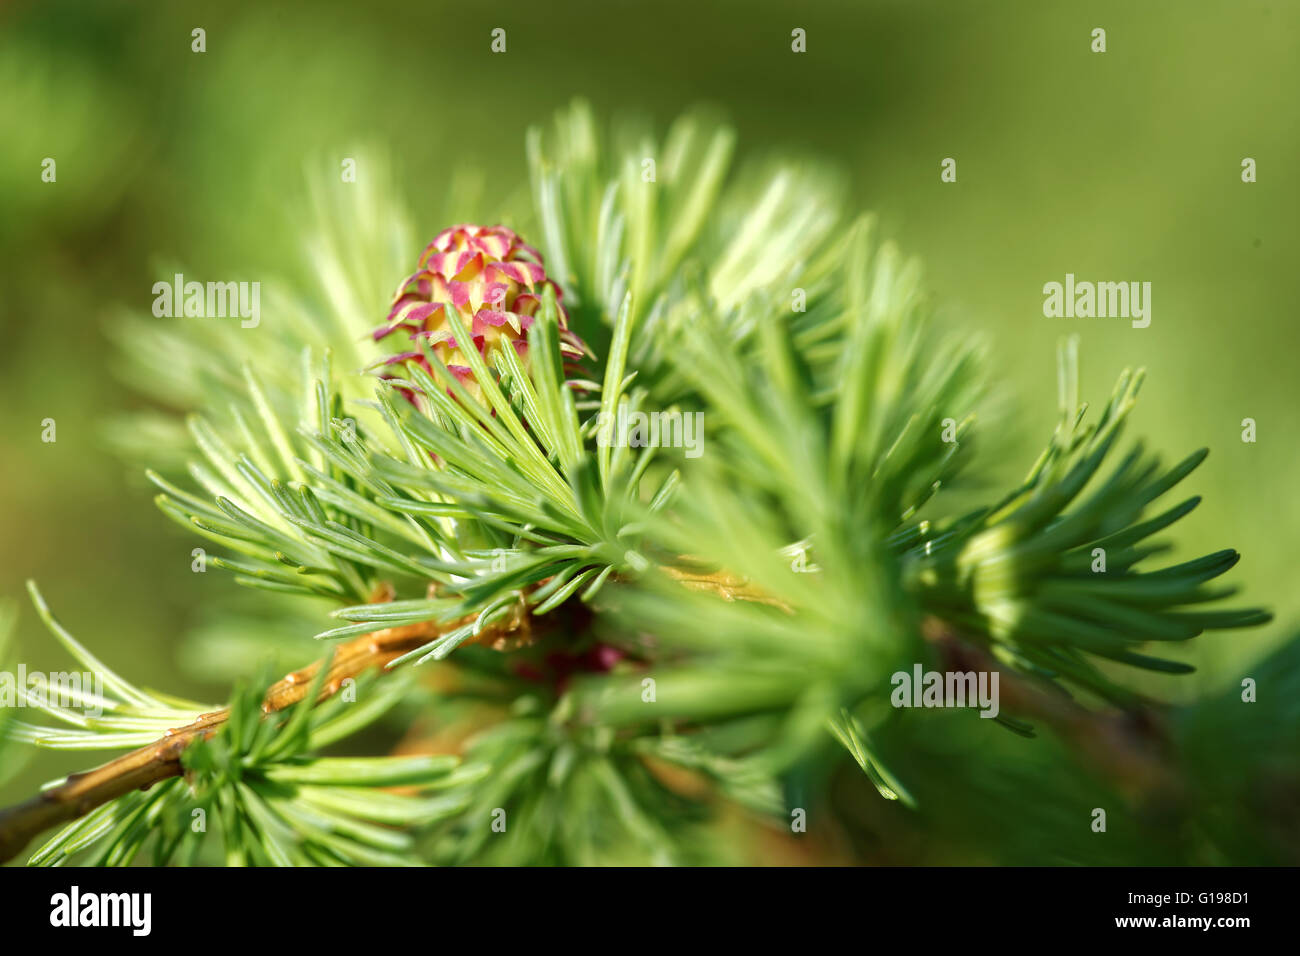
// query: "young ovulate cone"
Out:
[486,272]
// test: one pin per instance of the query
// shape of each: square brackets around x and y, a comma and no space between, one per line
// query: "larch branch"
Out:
[161,760]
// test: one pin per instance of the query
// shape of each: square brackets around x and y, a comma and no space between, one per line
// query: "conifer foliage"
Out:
[598,636]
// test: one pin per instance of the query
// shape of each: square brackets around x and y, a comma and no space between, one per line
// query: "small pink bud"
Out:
[487,272]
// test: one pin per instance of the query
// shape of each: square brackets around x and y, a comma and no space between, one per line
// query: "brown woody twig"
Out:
[160,760]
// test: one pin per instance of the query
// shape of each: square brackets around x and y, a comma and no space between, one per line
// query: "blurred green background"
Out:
[1116,166]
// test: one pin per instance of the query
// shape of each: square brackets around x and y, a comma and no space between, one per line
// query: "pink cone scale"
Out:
[487,273]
